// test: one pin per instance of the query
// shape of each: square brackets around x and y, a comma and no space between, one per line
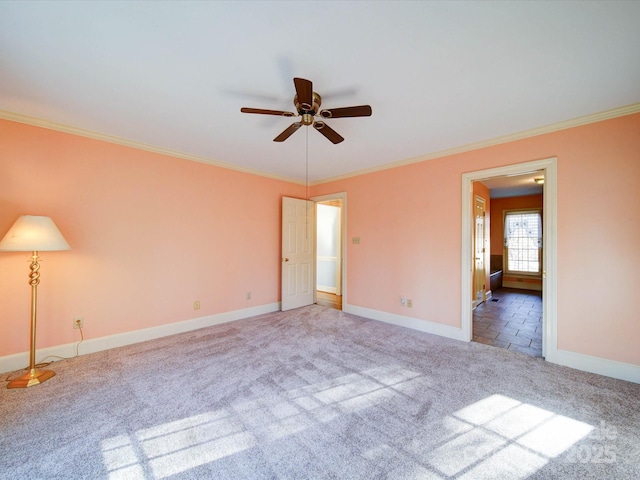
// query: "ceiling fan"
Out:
[307,103]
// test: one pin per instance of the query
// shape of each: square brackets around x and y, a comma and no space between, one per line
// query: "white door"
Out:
[298,256]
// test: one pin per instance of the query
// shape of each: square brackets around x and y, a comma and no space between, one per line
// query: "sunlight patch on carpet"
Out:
[505,438]
[176,447]
[496,437]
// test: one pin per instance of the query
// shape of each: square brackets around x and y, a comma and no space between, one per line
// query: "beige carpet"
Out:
[317,393]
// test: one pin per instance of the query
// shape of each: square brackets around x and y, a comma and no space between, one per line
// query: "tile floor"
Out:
[514,321]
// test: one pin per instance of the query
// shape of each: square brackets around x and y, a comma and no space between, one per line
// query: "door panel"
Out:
[298,266]
[479,274]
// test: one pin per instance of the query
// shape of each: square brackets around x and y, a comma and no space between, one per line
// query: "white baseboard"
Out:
[487,296]
[322,288]
[19,361]
[408,322]
[601,366]
[586,363]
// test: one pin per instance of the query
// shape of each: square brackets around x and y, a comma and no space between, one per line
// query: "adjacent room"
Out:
[280,239]
[508,233]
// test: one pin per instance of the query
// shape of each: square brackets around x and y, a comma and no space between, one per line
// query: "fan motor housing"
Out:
[308,109]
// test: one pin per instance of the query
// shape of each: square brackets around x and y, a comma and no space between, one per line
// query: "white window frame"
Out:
[505,262]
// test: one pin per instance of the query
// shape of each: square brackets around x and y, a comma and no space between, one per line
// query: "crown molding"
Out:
[576,122]
[37,122]
[554,127]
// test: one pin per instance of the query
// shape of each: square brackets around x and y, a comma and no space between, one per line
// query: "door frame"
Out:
[549,247]
[343,238]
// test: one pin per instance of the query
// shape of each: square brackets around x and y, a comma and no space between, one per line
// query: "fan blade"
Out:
[267,112]
[304,90]
[359,111]
[333,136]
[291,129]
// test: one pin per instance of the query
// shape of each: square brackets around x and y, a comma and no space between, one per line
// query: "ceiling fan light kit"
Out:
[307,103]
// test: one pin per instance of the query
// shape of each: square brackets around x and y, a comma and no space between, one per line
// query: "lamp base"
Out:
[31,378]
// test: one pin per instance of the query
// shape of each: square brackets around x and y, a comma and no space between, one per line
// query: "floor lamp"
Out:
[33,234]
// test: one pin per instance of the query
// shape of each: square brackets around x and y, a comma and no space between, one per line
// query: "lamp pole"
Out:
[33,376]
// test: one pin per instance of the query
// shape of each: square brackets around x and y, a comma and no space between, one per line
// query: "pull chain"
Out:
[307,167]
[306,182]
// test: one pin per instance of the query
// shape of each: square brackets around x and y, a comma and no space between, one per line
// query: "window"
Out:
[523,241]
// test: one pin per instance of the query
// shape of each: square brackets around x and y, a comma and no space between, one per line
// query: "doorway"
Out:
[549,247]
[330,254]
[508,312]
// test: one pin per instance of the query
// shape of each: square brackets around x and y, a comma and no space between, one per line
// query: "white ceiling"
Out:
[438,75]
[514,185]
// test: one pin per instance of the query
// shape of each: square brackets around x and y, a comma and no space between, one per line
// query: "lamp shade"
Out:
[32,233]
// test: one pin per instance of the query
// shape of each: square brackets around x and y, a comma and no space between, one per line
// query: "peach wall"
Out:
[409,221]
[404,220]
[149,235]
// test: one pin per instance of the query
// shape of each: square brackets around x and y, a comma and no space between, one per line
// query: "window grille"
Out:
[523,241]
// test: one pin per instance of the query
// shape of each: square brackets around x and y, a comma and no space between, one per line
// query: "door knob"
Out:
[285,259]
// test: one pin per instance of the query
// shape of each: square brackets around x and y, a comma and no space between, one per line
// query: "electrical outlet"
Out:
[196,305]
[78,322]
[403,301]
[248,295]
[409,303]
